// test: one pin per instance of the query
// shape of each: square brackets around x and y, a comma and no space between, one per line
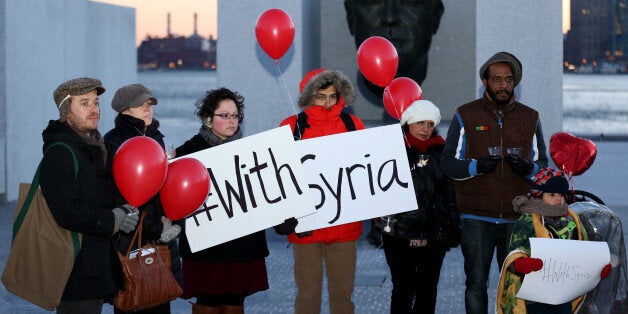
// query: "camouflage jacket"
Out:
[528,226]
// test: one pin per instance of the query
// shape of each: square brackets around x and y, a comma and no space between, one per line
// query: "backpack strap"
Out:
[346,119]
[302,124]
[19,219]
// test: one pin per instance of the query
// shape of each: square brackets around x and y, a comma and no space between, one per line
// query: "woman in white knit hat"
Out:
[416,242]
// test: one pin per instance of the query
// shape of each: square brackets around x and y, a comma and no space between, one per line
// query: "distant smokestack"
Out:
[168,30]
[195,23]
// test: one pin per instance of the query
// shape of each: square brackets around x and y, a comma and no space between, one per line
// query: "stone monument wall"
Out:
[45,42]
[470,32]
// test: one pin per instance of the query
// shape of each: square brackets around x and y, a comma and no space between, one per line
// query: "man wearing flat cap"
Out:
[81,201]
[134,104]
[487,183]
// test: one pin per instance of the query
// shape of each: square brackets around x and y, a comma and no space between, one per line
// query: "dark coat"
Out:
[250,247]
[436,199]
[125,128]
[82,205]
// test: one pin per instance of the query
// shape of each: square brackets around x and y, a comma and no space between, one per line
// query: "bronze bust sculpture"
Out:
[408,24]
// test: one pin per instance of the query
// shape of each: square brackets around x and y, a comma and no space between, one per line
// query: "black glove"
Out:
[302,235]
[519,165]
[487,164]
[287,227]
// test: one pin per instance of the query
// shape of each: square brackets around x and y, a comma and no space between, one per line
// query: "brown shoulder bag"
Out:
[148,278]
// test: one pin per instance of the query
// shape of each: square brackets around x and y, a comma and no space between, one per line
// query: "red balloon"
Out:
[378,60]
[573,155]
[274,31]
[139,169]
[185,189]
[400,94]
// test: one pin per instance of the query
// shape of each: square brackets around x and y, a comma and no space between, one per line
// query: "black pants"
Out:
[415,272]
[220,299]
[541,308]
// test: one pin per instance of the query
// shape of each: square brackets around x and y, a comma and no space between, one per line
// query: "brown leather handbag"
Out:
[147,276]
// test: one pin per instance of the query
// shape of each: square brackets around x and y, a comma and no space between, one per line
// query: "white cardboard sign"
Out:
[356,175]
[255,183]
[570,269]
[259,181]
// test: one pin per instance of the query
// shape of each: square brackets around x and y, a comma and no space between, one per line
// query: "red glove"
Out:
[606,271]
[526,265]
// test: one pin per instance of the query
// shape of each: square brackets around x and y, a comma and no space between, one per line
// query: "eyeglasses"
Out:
[322,97]
[499,79]
[227,116]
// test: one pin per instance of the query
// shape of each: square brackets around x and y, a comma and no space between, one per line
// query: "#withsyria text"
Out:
[264,180]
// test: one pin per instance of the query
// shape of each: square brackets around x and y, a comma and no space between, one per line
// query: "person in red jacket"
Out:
[324,94]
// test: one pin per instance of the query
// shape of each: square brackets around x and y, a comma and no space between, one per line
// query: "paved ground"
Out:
[607,178]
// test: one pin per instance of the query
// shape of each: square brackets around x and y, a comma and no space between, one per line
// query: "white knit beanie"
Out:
[420,110]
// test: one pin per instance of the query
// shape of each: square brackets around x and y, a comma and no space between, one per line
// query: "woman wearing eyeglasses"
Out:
[221,276]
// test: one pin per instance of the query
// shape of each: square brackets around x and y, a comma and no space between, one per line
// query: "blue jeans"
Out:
[479,240]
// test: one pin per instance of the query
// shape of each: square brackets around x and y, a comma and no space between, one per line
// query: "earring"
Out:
[208,123]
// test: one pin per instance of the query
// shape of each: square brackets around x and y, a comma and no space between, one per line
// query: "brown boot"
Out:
[233,309]
[204,309]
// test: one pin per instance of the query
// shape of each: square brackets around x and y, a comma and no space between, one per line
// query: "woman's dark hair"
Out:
[206,106]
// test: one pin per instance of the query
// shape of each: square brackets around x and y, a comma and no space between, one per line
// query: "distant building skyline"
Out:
[597,34]
[151,17]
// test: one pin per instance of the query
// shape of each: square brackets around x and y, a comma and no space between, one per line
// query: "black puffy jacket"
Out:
[437,212]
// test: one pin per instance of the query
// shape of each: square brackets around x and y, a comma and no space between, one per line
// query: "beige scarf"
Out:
[523,204]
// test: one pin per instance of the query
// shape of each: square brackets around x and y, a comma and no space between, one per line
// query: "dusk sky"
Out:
[151,16]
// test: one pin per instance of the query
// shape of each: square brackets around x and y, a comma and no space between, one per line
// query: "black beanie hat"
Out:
[549,180]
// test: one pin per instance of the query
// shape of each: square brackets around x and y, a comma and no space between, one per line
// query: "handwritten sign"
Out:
[256,182]
[259,181]
[357,175]
[570,269]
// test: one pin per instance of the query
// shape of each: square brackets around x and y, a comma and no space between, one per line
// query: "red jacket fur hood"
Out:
[315,79]
[322,122]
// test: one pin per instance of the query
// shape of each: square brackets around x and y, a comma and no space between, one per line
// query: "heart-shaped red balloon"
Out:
[139,169]
[573,155]
[274,31]
[185,189]
[400,94]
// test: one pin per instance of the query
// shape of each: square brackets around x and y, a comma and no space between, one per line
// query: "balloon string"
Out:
[571,182]
[285,86]
[394,104]
[405,139]
[396,109]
